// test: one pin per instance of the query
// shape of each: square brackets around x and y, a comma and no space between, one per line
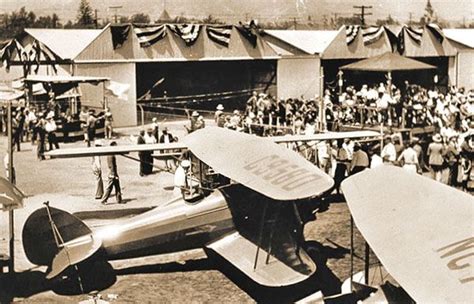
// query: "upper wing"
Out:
[420,229]
[258,164]
[99,151]
[325,136]
[242,253]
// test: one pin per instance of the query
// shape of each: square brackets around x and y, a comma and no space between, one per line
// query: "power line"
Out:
[363,13]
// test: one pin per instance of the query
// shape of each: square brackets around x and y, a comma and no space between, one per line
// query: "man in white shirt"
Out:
[389,153]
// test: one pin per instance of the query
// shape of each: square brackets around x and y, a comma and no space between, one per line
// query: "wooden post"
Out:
[11,226]
[322,109]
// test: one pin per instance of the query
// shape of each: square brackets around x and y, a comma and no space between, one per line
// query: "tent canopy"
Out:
[387,62]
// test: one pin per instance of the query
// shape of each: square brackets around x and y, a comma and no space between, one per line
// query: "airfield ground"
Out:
[178,278]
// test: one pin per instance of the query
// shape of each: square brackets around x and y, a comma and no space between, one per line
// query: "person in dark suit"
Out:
[167,138]
[113,180]
[142,155]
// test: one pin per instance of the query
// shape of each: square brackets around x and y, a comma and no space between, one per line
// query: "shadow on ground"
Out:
[97,275]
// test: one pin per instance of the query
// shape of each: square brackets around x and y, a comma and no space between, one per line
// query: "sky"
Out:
[265,10]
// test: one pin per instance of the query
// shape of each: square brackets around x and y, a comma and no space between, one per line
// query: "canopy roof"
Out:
[63,79]
[387,62]
[309,41]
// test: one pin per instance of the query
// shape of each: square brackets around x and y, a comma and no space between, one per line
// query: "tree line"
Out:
[13,24]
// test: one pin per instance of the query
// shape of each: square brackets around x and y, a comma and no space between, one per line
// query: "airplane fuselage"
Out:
[177,226]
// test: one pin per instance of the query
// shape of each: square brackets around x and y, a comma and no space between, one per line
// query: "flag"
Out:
[249,31]
[117,89]
[119,34]
[219,34]
[436,31]
[351,33]
[415,34]
[188,32]
[10,197]
[149,34]
[372,34]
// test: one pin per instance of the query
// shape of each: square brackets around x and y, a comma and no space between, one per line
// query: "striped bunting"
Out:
[351,33]
[40,52]
[7,54]
[188,32]
[372,34]
[219,34]
[415,34]
[436,31]
[149,34]
[119,34]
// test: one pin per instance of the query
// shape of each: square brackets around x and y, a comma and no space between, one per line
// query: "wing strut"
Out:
[260,235]
[60,243]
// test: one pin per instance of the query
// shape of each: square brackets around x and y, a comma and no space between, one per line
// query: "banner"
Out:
[436,31]
[149,34]
[219,34]
[414,34]
[372,34]
[8,52]
[351,33]
[119,34]
[188,32]
[249,31]
[40,52]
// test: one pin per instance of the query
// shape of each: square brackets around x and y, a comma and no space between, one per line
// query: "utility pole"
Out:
[115,8]
[96,21]
[294,23]
[410,18]
[363,13]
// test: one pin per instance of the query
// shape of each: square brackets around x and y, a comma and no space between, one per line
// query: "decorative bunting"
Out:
[38,52]
[119,34]
[149,34]
[415,34]
[249,31]
[219,34]
[372,34]
[401,41]
[8,52]
[351,33]
[188,32]
[436,31]
[392,38]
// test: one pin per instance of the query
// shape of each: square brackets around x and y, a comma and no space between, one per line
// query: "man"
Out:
[219,112]
[113,180]
[436,152]
[91,127]
[156,128]
[108,123]
[193,119]
[97,171]
[167,138]
[360,160]
[83,117]
[389,153]
[51,128]
[40,129]
[149,140]
[180,181]
[409,157]
[142,155]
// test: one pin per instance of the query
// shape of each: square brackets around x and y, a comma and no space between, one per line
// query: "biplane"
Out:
[249,210]
[422,231]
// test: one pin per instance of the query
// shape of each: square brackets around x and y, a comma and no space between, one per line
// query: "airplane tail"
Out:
[57,239]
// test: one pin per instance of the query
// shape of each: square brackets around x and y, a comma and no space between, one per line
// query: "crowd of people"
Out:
[448,154]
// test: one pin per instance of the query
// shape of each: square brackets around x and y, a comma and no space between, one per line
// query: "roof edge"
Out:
[92,41]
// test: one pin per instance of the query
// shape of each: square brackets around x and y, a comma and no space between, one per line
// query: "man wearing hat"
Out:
[97,171]
[167,138]
[219,111]
[193,118]
[436,152]
[51,128]
[113,179]
[142,155]
[389,153]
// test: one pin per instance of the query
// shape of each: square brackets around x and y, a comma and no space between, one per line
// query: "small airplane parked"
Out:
[249,210]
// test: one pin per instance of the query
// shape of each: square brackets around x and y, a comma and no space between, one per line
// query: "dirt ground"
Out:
[188,277]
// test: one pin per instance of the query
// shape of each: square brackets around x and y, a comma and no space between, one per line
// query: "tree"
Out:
[429,16]
[140,18]
[388,21]
[85,17]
